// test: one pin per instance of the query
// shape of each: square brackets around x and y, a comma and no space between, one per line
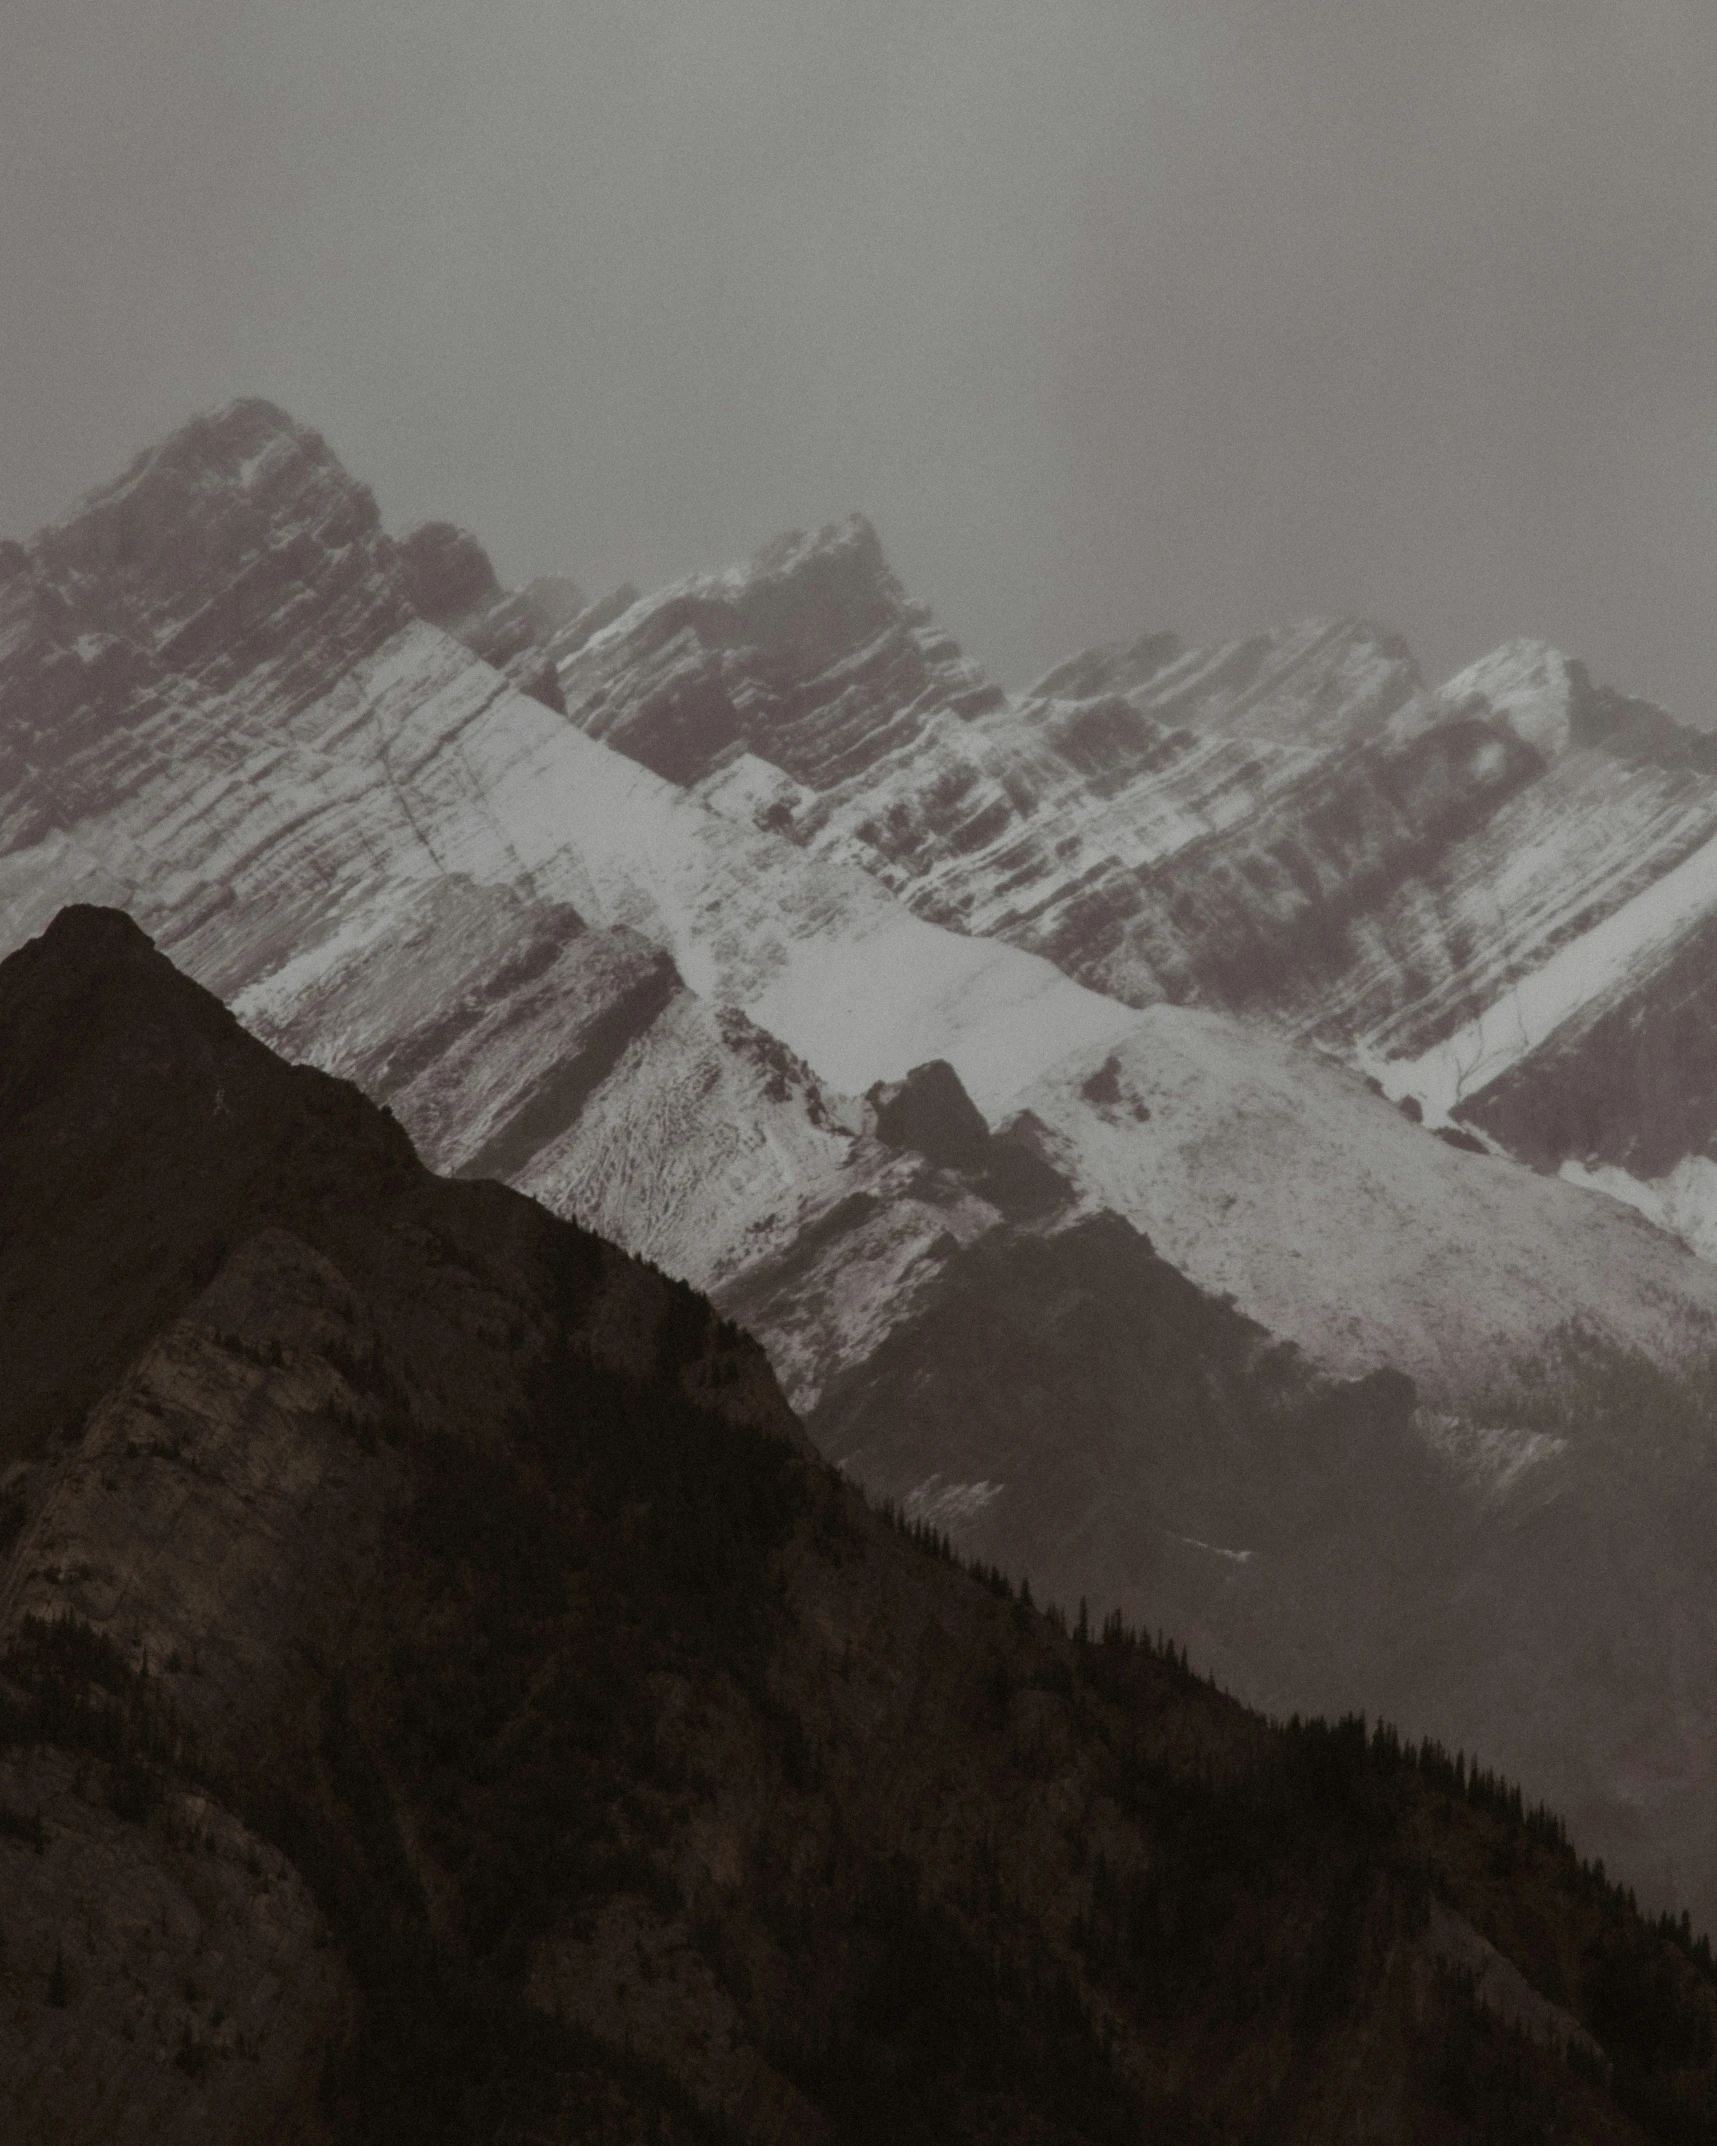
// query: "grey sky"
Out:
[1111,313]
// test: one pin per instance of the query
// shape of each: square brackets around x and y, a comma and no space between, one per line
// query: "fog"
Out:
[1111,316]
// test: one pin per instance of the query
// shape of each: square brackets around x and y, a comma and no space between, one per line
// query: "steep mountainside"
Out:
[222,705]
[1510,879]
[967,1338]
[442,1700]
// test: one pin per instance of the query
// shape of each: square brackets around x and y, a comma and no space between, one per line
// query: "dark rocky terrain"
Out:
[442,1698]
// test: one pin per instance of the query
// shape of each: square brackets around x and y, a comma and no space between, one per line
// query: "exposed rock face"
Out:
[440,1699]
[237,560]
[930,1111]
[1291,825]
[554,965]
[812,652]
[450,581]
[1061,821]
[402,871]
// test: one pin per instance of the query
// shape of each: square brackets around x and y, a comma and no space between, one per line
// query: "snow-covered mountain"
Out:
[224,711]
[751,925]
[1496,896]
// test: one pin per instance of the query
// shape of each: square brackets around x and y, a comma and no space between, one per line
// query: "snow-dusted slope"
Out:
[486,783]
[805,694]
[1288,1183]
[1290,824]
[327,776]
[660,1008]
[221,712]
[1435,885]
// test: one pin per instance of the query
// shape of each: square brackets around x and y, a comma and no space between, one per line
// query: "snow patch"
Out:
[1607,959]
[941,1504]
[1234,1557]
[1684,1202]
[1526,684]
[1493,1457]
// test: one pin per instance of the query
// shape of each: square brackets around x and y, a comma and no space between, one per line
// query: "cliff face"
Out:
[441,1699]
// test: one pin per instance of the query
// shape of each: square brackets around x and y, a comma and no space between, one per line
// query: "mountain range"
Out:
[1221,1132]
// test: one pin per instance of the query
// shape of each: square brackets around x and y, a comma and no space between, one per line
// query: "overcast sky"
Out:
[1112,314]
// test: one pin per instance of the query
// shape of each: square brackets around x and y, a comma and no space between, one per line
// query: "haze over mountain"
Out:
[971,1049]
[1108,316]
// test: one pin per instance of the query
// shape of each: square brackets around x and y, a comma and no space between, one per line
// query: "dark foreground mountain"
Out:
[442,1698]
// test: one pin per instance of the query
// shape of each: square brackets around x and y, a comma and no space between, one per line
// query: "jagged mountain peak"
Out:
[178,501]
[1308,678]
[448,571]
[225,442]
[802,594]
[1525,683]
[851,537]
[809,657]
[1550,699]
[241,545]
[229,546]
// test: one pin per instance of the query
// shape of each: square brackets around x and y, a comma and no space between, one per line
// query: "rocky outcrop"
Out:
[450,581]
[930,1111]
